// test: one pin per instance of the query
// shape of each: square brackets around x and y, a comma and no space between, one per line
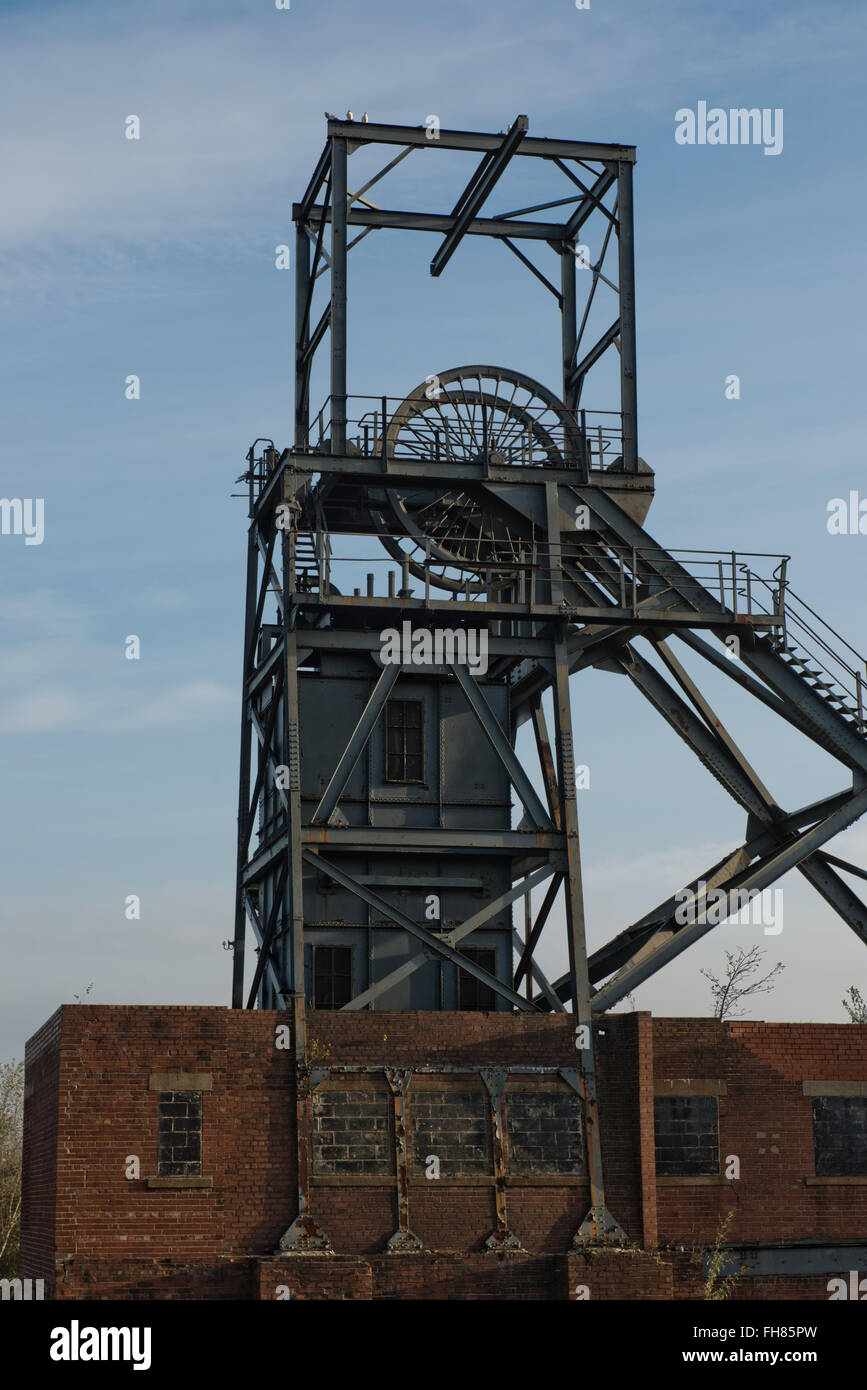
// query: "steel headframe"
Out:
[575,598]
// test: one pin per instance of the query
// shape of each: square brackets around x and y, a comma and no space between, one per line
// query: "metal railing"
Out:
[529,574]
[634,575]
[467,431]
[806,635]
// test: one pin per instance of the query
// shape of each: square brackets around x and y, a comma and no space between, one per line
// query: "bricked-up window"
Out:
[545,1131]
[473,996]
[451,1123]
[180,1134]
[687,1136]
[351,1132]
[332,976]
[840,1136]
[404,741]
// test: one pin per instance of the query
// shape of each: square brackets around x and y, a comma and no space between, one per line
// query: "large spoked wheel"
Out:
[473,415]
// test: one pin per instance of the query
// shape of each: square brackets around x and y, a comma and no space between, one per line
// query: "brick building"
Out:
[445,1151]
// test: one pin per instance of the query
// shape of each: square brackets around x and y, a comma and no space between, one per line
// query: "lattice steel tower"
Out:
[378,854]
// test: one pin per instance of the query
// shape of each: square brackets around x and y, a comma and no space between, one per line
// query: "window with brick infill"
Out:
[687,1136]
[180,1134]
[351,1134]
[545,1131]
[840,1136]
[453,1125]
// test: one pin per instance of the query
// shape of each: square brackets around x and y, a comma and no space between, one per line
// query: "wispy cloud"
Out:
[232,108]
[57,675]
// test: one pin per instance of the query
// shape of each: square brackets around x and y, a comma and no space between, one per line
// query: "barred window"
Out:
[332,976]
[473,996]
[404,741]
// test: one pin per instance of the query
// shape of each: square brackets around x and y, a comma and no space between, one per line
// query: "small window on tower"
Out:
[332,976]
[473,996]
[404,741]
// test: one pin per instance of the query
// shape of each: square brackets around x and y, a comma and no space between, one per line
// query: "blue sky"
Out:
[156,257]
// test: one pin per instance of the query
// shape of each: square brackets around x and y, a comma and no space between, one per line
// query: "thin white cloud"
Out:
[232,113]
[57,676]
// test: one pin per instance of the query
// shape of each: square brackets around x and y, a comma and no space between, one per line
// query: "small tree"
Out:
[735,983]
[11,1131]
[855,1005]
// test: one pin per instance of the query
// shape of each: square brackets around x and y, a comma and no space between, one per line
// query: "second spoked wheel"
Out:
[454,534]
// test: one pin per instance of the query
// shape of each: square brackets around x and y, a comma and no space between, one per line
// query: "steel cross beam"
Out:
[546,761]
[544,984]
[726,763]
[576,374]
[717,757]
[375,134]
[503,749]
[528,947]
[709,739]
[439,945]
[268,936]
[589,204]
[278,984]
[821,723]
[624,947]
[440,222]
[356,745]
[817,868]
[476,192]
[756,879]
[721,755]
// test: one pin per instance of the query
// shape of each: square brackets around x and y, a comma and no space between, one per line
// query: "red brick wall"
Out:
[618,1274]
[39,1166]
[619,1120]
[464,1039]
[764,1109]
[91,1108]
[446,1216]
[107,1113]
[414,1277]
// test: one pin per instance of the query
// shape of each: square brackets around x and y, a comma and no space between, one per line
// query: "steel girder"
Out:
[780,688]
[603,591]
[611,166]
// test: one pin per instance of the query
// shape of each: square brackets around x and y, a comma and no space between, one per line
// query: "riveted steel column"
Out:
[304,1233]
[502,1238]
[569,320]
[244,825]
[598,1225]
[338,296]
[403,1241]
[626,260]
[302,336]
[554,548]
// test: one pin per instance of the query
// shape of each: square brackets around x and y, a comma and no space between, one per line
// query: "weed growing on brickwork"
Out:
[715,1286]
